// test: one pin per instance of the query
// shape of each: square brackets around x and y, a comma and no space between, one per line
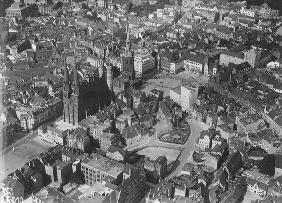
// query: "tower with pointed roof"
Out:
[82,94]
[128,58]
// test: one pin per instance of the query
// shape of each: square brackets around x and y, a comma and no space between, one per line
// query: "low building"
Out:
[55,133]
[136,134]
[49,194]
[221,31]
[257,187]
[116,153]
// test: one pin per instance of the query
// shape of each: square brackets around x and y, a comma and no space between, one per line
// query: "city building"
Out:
[188,97]
[266,12]
[45,9]
[143,62]
[195,62]
[16,10]
[171,62]
[248,12]
[49,194]
[102,169]
[32,117]
[78,139]
[133,189]
[221,31]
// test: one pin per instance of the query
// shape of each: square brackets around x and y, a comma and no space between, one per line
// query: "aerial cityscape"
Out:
[141,101]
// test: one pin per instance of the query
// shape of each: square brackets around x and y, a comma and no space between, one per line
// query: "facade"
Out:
[38,2]
[221,31]
[158,166]
[15,11]
[45,9]
[78,139]
[143,62]
[204,142]
[188,97]
[195,62]
[227,57]
[267,12]
[102,169]
[55,133]
[248,12]
[32,117]
[175,95]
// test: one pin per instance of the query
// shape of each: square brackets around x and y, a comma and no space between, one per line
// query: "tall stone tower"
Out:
[4,30]
[83,93]
[279,36]
[109,77]
[70,92]
[128,58]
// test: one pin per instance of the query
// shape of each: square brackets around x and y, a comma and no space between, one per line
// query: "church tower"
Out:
[70,92]
[4,31]
[128,58]
[109,77]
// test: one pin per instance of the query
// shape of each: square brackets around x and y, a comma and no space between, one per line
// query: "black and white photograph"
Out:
[140,101]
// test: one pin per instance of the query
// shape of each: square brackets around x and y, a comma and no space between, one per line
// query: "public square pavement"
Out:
[23,153]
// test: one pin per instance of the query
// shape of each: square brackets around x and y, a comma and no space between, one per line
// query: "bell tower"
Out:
[109,77]
[70,92]
[128,58]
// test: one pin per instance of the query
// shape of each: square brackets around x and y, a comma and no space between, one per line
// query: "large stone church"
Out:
[85,93]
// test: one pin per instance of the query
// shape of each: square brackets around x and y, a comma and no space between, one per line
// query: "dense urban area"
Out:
[150,101]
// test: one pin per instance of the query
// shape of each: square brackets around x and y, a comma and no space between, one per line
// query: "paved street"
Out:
[188,147]
[196,128]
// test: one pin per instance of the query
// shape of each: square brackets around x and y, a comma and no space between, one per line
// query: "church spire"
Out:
[75,80]
[128,46]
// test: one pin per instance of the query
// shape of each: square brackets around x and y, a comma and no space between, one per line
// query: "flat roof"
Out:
[105,165]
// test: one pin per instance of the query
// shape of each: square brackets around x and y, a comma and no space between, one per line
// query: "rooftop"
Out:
[51,195]
[105,165]
[63,126]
